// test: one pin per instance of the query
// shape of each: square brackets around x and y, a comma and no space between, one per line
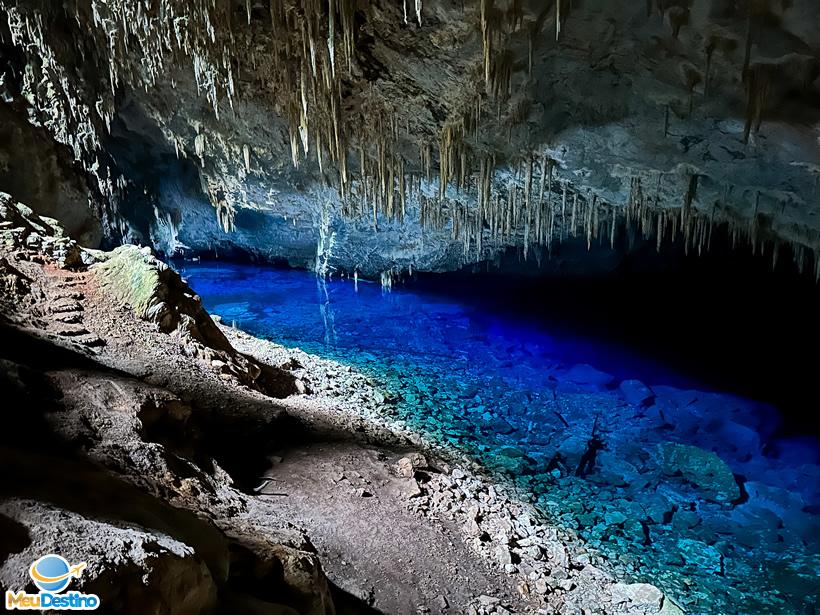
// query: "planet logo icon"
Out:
[52,573]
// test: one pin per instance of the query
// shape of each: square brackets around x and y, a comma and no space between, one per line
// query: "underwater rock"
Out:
[685,520]
[495,424]
[700,555]
[702,468]
[647,598]
[656,507]
[742,440]
[587,375]
[636,393]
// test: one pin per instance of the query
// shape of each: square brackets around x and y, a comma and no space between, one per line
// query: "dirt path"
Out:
[353,506]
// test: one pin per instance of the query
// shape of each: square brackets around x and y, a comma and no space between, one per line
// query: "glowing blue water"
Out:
[524,400]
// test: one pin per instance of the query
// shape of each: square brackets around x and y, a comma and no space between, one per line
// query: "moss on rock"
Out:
[157,293]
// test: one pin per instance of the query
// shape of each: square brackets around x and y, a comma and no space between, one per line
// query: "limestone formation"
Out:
[479,127]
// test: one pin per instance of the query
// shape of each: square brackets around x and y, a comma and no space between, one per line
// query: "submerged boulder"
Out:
[636,393]
[587,376]
[638,596]
[704,469]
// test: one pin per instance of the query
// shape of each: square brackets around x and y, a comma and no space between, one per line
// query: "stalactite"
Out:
[659,231]
[486,36]
[314,42]
[573,225]
[199,147]
[747,54]
[757,92]
[591,205]
[596,218]
[563,211]
[529,59]
[612,230]
[691,194]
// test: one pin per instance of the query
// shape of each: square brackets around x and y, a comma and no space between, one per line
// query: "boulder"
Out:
[407,466]
[157,293]
[584,374]
[131,569]
[638,597]
[636,393]
[704,469]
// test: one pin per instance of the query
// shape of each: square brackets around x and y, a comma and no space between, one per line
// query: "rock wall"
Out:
[106,468]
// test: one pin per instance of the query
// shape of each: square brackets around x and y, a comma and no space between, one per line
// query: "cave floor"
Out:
[353,506]
[339,479]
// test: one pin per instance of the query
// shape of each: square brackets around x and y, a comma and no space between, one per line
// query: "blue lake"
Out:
[530,400]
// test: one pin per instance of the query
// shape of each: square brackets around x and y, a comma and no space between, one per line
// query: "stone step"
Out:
[64,307]
[68,318]
[69,283]
[92,340]
[64,296]
[70,331]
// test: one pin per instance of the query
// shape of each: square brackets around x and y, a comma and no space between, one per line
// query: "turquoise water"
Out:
[531,401]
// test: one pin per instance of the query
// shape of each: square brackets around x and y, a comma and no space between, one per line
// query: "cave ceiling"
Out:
[379,135]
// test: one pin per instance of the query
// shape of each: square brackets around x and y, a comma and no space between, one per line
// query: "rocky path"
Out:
[353,504]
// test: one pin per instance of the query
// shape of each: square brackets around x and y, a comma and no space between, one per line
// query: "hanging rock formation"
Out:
[447,132]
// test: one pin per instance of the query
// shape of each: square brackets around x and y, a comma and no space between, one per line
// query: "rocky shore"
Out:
[175,457]
[698,491]
[552,569]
